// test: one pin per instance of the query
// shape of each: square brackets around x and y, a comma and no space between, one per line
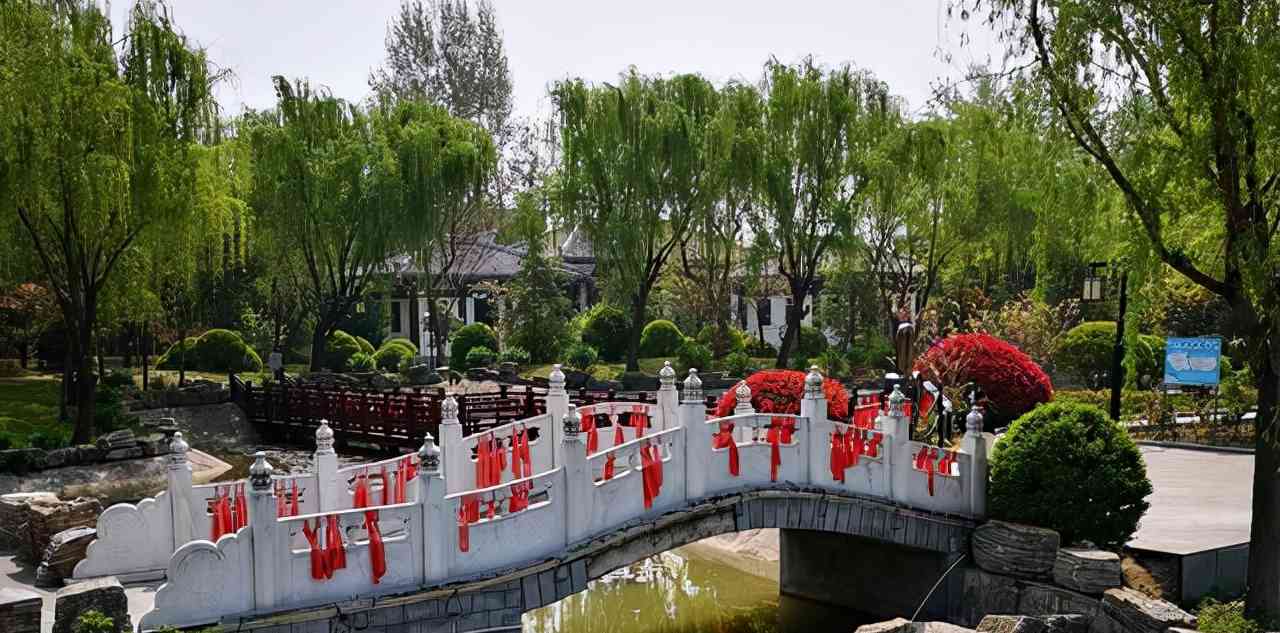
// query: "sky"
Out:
[336,44]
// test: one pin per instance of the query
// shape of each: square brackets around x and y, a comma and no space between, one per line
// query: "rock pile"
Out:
[39,518]
[65,549]
[19,610]
[13,516]
[104,595]
[114,446]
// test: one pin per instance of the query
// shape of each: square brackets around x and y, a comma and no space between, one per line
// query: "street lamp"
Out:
[1093,293]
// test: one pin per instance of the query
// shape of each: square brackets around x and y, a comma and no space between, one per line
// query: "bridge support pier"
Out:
[882,580]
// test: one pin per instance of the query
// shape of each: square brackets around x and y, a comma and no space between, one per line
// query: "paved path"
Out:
[14,574]
[1201,500]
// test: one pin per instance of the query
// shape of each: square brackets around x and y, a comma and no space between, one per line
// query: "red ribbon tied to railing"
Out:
[837,462]
[724,439]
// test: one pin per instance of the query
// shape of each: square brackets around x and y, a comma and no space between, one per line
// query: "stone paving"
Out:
[1202,500]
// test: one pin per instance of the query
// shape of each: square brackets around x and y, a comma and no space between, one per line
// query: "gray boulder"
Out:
[1044,600]
[1087,569]
[939,627]
[896,625]
[1137,612]
[1011,624]
[65,549]
[104,595]
[1070,623]
[1012,549]
[117,439]
[19,610]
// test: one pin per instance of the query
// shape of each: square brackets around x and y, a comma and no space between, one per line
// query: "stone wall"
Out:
[112,447]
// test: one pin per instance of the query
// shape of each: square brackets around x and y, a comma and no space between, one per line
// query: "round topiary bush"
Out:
[339,347]
[722,341]
[1070,468]
[360,361]
[757,348]
[390,357]
[1013,383]
[365,345]
[224,350]
[736,364]
[479,357]
[660,338]
[581,356]
[1088,348]
[402,342]
[780,391]
[514,354]
[467,337]
[694,355]
[172,358]
[812,343]
[607,329]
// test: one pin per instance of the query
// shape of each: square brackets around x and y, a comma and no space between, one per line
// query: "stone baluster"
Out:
[457,460]
[180,492]
[439,523]
[268,536]
[557,407]
[812,433]
[578,493]
[668,399]
[975,444]
[743,431]
[697,437]
[328,494]
[896,448]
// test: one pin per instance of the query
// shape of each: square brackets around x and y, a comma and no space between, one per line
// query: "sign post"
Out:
[1193,361]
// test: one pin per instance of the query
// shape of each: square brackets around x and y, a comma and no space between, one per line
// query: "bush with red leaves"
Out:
[1013,383]
[780,391]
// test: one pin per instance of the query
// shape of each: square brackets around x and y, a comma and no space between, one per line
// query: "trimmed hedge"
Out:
[728,341]
[390,357]
[215,350]
[365,345]
[812,343]
[339,347]
[360,361]
[479,357]
[403,342]
[660,338]
[607,329]
[1088,347]
[757,348]
[694,355]
[1013,383]
[581,356]
[467,337]
[1070,468]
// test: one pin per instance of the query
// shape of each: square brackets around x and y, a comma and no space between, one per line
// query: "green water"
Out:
[681,592]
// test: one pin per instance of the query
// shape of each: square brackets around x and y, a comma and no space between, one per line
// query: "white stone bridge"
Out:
[460,539]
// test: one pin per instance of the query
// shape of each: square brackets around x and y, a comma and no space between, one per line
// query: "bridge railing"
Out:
[442,535]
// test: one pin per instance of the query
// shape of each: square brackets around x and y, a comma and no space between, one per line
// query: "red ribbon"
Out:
[293,498]
[775,454]
[319,564]
[361,497]
[386,485]
[464,540]
[639,419]
[334,549]
[593,434]
[501,461]
[281,511]
[855,441]
[838,455]
[724,439]
[650,473]
[377,553]
[618,439]
[928,467]
[242,508]
[873,445]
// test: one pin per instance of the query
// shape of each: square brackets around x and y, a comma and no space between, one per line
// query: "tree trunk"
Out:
[317,345]
[23,351]
[638,302]
[182,357]
[415,319]
[144,349]
[1263,599]
[68,357]
[795,312]
[86,381]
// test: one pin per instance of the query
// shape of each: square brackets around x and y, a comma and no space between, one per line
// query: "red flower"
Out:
[780,391]
[1013,383]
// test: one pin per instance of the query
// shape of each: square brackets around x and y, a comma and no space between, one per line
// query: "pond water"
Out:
[682,592]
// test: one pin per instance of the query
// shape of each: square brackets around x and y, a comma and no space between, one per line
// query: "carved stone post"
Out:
[179,476]
[697,438]
[456,461]
[439,525]
[668,399]
[557,406]
[975,444]
[579,493]
[812,433]
[265,529]
[742,406]
[327,469]
[897,454]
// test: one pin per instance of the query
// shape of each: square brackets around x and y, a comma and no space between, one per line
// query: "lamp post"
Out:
[1094,292]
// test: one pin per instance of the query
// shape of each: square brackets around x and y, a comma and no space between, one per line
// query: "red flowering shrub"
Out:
[780,391]
[1013,383]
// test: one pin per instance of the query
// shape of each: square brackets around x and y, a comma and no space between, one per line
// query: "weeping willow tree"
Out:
[97,149]
[326,186]
[445,165]
[635,175]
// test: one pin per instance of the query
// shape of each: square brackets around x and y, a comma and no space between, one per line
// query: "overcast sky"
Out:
[336,44]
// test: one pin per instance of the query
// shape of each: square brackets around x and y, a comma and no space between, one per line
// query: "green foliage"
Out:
[7,441]
[723,341]
[872,352]
[339,347]
[538,312]
[581,356]
[216,350]
[607,329]
[736,364]
[365,345]
[1089,347]
[812,343]
[360,361]
[693,355]
[402,342]
[516,355]
[392,356]
[479,356]
[94,621]
[660,338]
[1225,617]
[1069,468]
[757,348]
[172,358]
[467,337]
[109,411]
[49,439]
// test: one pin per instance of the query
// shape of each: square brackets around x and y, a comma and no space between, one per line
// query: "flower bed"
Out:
[780,391]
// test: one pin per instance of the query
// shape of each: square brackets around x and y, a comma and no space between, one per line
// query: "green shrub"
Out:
[694,355]
[360,361]
[7,441]
[1224,617]
[365,345]
[581,357]
[757,348]
[722,341]
[607,329]
[339,347]
[660,338]
[1088,348]
[874,352]
[49,439]
[109,410]
[117,379]
[402,342]
[516,355]
[215,350]
[467,337]
[736,364]
[1069,468]
[391,356]
[812,343]
[479,357]
[94,621]
[172,357]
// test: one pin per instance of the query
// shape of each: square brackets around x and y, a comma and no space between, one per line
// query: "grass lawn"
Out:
[29,405]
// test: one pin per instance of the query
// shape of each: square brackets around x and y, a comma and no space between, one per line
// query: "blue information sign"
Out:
[1192,361]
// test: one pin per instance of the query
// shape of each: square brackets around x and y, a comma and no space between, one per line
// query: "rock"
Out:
[896,625]
[422,375]
[44,518]
[153,444]
[1071,623]
[1016,550]
[1044,600]
[382,382]
[65,549]
[508,369]
[13,516]
[1104,623]
[19,610]
[59,457]
[117,439]
[1138,613]
[20,461]
[104,595]
[116,454]
[1011,624]
[1086,569]
[89,454]
[939,627]
[986,594]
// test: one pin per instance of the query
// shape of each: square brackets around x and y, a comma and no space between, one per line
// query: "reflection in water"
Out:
[678,592]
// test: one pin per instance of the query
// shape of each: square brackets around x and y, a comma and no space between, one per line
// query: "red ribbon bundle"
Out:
[724,439]
[319,563]
[873,444]
[242,508]
[293,498]
[650,472]
[468,513]
[335,552]
[774,436]
[377,553]
[855,444]
[220,515]
[609,460]
[838,450]
[386,486]
[519,499]
[946,463]
[589,427]
[360,498]
[639,419]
